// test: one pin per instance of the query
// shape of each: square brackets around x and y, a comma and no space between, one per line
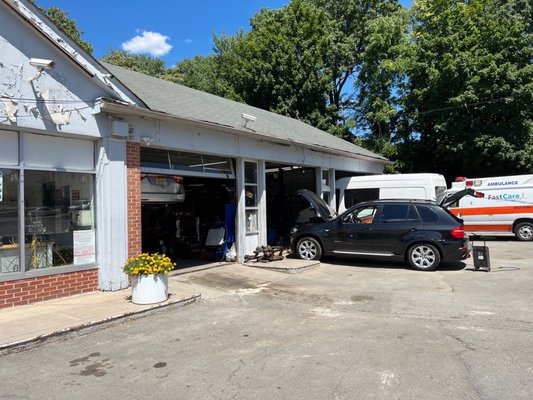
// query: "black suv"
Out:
[420,232]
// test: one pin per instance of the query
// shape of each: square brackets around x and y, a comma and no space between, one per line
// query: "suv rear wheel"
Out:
[308,248]
[423,257]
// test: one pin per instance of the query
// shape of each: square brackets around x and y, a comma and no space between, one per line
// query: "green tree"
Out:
[362,37]
[137,62]
[301,60]
[279,64]
[214,73]
[377,101]
[68,26]
[467,96]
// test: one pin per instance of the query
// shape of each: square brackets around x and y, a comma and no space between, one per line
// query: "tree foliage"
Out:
[467,95]
[362,36]
[299,61]
[443,87]
[214,73]
[62,21]
[136,62]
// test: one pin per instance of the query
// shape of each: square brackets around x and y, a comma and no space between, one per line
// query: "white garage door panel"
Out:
[9,148]
[54,152]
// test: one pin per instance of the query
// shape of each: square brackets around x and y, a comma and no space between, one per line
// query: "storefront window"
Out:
[9,250]
[46,216]
[59,227]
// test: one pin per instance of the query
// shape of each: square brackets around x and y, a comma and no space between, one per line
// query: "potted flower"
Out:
[148,275]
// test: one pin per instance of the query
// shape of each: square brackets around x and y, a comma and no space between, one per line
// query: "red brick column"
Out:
[133,164]
[32,290]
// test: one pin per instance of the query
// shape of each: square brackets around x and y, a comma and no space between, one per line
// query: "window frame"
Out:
[252,210]
[24,272]
[201,169]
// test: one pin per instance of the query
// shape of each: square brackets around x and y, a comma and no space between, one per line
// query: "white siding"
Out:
[9,148]
[43,151]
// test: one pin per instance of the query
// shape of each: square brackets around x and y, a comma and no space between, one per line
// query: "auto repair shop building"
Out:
[98,163]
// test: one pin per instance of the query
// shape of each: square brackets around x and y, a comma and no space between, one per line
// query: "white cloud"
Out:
[188,41]
[152,43]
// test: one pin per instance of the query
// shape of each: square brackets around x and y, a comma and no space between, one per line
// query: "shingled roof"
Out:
[181,101]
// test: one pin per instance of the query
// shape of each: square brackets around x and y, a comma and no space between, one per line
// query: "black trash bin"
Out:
[481,256]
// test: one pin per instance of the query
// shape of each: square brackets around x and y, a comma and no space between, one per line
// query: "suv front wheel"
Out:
[308,248]
[423,257]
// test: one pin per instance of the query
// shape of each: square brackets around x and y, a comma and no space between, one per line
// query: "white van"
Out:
[505,209]
[355,189]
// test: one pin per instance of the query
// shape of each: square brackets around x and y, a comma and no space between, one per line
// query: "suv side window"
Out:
[361,215]
[412,215]
[427,214]
[394,213]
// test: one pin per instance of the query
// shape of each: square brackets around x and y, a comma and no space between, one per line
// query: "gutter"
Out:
[112,106]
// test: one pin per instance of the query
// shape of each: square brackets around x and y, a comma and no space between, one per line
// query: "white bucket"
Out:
[149,289]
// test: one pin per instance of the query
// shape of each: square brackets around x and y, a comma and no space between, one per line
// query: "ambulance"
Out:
[355,189]
[505,209]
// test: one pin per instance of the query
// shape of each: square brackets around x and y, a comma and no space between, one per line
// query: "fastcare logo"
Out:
[507,196]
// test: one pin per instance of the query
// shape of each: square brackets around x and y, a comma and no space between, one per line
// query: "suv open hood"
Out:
[451,198]
[324,211]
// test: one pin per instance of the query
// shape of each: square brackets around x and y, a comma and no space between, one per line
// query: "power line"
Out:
[399,112]
[489,101]
[43,101]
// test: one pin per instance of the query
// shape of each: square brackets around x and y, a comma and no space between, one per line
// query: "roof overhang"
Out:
[40,23]
[116,107]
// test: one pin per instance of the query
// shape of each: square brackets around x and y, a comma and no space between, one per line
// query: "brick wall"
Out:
[133,163]
[32,290]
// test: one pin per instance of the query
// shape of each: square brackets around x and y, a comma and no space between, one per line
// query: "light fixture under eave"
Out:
[147,140]
[42,63]
[247,118]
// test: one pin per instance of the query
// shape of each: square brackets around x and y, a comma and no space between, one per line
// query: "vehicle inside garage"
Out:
[283,205]
[183,228]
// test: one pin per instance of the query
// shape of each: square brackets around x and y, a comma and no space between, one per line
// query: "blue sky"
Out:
[187,26]
[170,29]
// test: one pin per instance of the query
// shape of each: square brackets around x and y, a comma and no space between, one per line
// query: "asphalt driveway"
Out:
[347,330]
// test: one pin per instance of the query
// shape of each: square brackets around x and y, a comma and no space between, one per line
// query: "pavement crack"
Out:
[465,345]
[234,372]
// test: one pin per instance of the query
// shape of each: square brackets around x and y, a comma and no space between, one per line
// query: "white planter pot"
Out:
[149,289]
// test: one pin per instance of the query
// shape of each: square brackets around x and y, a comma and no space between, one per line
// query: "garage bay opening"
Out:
[188,206]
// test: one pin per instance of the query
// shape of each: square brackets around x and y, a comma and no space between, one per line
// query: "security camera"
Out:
[248,117]
[41,63]
[147,140]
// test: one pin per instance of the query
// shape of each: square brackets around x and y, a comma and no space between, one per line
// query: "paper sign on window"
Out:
[84,247]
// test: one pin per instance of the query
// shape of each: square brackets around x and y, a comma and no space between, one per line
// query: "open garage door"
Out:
[188,205]
[283,205]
